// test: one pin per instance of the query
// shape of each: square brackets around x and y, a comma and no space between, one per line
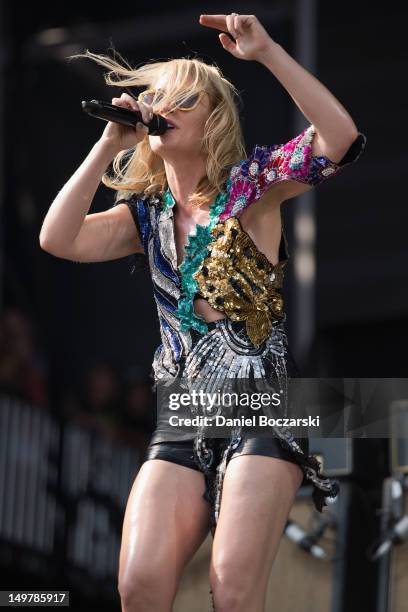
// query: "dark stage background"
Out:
[77,340]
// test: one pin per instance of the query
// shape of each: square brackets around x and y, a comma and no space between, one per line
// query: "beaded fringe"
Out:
[325,490]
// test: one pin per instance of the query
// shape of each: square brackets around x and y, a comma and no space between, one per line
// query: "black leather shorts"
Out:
[181,452]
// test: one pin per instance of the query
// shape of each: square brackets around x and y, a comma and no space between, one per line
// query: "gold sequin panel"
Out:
[238,280]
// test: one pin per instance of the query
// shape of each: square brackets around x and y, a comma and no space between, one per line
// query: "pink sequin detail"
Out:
[266,166]
[241,188]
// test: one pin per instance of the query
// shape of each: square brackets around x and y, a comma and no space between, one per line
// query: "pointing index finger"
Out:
[218,22]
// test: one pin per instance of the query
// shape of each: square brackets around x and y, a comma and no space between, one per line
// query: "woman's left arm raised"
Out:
[335,129]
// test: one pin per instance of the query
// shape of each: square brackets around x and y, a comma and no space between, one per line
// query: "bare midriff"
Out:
[209,313]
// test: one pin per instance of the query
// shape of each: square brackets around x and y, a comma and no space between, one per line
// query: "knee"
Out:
[143,592]
[135,593]
[232,590]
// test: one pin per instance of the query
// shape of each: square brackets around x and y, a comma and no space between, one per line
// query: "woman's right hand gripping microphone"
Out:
[125,137]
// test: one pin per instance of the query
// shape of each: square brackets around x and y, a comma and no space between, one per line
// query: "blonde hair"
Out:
[139,169]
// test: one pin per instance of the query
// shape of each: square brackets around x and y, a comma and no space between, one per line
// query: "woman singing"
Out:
[207,217]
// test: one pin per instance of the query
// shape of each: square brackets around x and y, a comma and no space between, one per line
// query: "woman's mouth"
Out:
[171,125]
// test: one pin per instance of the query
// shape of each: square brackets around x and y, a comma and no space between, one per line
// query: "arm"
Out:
[67,230]
[334,129]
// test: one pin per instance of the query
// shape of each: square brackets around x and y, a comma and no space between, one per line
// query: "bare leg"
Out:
[166,521]
[258,493]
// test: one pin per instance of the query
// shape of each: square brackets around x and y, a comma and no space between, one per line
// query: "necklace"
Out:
[195,252]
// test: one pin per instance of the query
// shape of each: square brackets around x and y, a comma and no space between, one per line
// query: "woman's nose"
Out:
[165,109]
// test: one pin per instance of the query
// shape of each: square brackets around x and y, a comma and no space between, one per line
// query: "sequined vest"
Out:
[238,280]
[222,263]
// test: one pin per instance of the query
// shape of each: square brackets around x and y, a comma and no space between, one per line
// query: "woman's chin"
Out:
[163,139]
[165,146]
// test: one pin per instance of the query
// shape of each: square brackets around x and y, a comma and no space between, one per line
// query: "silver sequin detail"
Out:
[271,175]
[254,168]
[164,364]
[235,171]
[239,204]
[218,360]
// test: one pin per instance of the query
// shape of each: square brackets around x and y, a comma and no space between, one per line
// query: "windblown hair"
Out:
[139,169]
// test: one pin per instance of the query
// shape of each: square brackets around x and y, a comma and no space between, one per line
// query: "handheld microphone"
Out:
[109,112]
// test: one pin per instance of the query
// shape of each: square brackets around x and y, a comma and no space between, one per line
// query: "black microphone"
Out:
[109,112]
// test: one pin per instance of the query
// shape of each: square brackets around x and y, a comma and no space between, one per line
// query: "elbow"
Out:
[349,133]
[44,243]
[352,135]
[341,133]
[57,250]
[48,246]
[345,142]
[43,239]
[353,145]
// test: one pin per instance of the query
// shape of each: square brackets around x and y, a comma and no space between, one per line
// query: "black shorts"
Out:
[225,354]
[182,453]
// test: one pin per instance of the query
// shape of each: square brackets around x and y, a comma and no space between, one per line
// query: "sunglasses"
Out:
[183,102]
